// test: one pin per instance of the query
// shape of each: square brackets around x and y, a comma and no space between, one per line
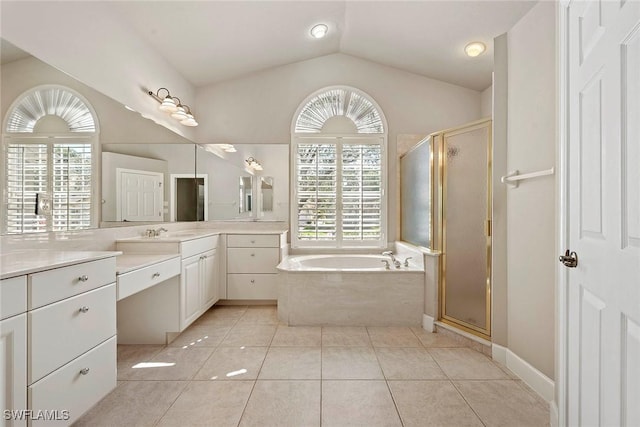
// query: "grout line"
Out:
[253,387]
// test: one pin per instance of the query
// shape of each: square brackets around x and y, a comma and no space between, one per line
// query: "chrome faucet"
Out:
[396,263]
[150,232]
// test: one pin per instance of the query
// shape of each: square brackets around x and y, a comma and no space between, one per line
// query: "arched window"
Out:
[50,134]
[339,171]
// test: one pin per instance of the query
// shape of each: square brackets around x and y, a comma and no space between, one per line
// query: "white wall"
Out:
[90,42]
[259,108]
[486,102]
[531,207]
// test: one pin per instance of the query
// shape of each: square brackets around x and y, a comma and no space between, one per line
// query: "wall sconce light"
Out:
[253,164]
[229,148]
[173,105]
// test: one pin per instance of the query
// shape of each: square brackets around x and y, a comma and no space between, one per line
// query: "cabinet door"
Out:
[209,280]
[13,367]
[190,291]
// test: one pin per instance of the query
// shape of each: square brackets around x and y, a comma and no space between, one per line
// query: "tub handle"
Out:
[386,264]
[406,261]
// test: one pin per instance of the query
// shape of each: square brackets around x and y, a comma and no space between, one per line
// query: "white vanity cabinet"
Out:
[71,358]
[13,347]
[199,290]
[251,266]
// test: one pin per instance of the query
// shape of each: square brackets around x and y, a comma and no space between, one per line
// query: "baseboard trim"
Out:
[428,323]
[535,379]
[499,354]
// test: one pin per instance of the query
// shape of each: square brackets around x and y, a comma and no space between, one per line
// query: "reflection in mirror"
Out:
[266,194]
[224,169]
[118,127]
[151,183]
[246,195]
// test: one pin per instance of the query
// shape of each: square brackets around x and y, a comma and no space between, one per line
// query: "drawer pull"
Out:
[253,241]
[253,281]
[84,309]
[253,254]
[155,275]
[84,371]
[83,278]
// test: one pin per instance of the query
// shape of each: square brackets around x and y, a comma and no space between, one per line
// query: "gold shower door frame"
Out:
[439,138]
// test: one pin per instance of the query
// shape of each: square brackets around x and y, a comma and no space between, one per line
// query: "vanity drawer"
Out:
[253,241]
[62,331]
[60,283]
[252,260]
[143,278]
[13,296]
[197,246]
[252,286]
[68,388]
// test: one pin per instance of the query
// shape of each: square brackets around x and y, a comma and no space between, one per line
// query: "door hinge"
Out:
[489,228]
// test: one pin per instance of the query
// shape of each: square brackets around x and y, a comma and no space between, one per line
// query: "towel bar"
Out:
[513,177]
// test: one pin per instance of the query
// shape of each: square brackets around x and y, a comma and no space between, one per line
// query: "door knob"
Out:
[569,259]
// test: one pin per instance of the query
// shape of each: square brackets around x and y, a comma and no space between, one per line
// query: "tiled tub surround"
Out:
[349,290]
[238,366]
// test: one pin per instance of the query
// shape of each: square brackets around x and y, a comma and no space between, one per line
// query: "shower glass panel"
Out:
[416,194]
[466,228]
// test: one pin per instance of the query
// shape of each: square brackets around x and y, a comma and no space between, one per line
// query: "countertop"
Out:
[21,262]
[133,261]
[185,235]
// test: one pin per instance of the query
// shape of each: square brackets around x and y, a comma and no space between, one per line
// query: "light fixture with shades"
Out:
[474,49]
[319,31]
[253,164]
[229,148]
[173,106]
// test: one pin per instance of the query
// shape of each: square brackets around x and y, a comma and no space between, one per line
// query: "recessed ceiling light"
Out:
[319,31]
[474,49]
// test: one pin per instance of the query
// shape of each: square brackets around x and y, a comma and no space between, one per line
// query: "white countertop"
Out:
[172,236]
[185,235]
[20,262]
[133,261]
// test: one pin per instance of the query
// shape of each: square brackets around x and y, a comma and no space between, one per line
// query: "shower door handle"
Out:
[569,259]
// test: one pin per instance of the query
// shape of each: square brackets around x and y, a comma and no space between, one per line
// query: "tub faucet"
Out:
[386,264]
[390,254]
[396,263]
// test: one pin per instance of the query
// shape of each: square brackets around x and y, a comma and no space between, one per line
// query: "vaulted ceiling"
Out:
[213,41]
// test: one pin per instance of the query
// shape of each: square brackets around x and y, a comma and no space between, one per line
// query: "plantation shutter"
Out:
[26,175]
[71,186]
[316,191]
[339,191]
[63,170]
[361,192]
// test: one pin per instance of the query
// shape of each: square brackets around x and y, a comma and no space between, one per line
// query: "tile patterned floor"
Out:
[237,366]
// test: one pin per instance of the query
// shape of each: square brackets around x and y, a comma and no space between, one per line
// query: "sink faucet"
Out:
[154,233]
[396,263]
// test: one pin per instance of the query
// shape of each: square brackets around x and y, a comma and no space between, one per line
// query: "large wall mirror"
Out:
[142,172]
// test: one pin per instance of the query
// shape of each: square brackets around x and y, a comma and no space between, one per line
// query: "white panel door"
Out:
[603,291]
[141,196]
